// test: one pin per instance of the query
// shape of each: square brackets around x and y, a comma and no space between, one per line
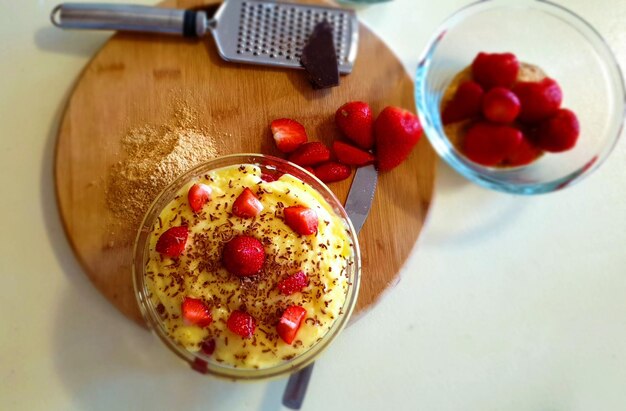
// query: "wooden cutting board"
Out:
[130,82]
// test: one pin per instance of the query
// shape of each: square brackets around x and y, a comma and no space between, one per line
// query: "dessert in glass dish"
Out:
[247,267]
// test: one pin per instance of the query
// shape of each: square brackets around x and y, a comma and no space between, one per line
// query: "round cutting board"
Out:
[131,82]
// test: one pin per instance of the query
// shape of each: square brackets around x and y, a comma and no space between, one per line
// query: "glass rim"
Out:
[151,315]
[488,176]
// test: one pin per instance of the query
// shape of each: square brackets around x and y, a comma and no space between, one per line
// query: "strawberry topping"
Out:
[539,100]
[310,154]
[495,69]
[172,242]
[243,256]
[465,103]
[397,131]
[293,284]
[524,154]
[195,312]
[489,144]
[558,133]
[290,323]
[302,220]
[288,134]
[500,105]
[241,323]
[247,205]
[199,194]
[331,171]
[208,346]
[352,156]
[355,120]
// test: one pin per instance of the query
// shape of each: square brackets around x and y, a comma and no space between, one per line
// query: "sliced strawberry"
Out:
[290,323]
[465,103]
[195,312]
[331,171]
[523,155]
[355,120]
[489,144]
[351,155]
[243,256]
[539,100]
[288,134]
[310,154]
[302,220]
[208,346]
[500,105]
[293,284]
[200,365]
[247,205]
[241,323]
[558,133]
[495,69]
[199,194]
[268,178]
[397,131]
[172,242]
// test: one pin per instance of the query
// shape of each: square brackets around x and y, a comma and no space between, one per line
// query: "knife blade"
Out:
[358,205]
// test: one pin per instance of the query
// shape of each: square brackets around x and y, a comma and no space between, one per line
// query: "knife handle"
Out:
[293,397]
[103,16]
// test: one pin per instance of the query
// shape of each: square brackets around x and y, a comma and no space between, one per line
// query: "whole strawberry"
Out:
[495,69]
[355,120]
[558,133]
[243,256]
[396,132]
[540,100]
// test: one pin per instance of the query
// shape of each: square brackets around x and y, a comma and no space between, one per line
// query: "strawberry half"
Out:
[495,69]
[489,144]
[208,346]
[558,133]
[539,100]
[293,284]
[351,155]
[465,103]
[241,323]
[199,194]
[172,242]
[195,312]
[290,323]
[300,219]
[331,171]
[243,256]
[247,205]
[288,134]
[310,154]
[500,105]
[397,131]
[355,120]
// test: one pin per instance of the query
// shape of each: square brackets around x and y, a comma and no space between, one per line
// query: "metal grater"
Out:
[247,31]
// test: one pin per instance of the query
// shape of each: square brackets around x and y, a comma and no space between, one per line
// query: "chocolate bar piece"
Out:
[319,58]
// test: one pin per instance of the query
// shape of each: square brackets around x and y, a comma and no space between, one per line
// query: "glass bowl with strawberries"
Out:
[520,96]
[246,267]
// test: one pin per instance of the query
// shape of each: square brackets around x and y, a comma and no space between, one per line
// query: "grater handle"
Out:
[103,16]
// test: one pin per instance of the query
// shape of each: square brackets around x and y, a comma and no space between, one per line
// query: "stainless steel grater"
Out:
[247,31]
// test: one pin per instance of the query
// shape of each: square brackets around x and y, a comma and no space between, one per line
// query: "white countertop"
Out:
[507,303]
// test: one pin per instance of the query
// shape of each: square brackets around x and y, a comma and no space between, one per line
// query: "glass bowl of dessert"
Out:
[520,96]
[246,267]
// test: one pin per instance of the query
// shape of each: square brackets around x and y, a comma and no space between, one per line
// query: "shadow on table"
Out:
[80,43]
[477,212]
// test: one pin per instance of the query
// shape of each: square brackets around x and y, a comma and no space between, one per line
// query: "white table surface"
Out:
[506,303]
